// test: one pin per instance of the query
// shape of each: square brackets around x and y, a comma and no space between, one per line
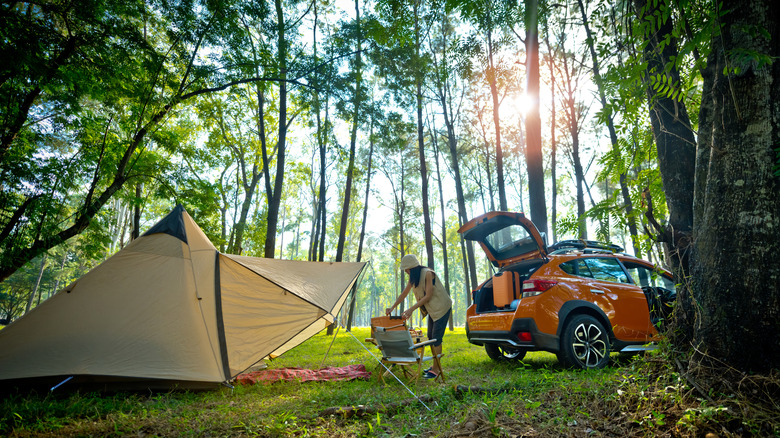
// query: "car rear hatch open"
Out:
[506,237]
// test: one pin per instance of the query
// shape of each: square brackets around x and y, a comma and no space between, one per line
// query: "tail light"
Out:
[532,288]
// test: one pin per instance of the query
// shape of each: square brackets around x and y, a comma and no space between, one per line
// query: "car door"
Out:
[506,237]
[610,282]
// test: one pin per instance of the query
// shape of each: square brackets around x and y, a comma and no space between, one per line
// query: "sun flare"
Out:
[521,103]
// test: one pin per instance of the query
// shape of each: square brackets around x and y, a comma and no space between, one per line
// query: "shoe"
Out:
[425,371]
[430,375]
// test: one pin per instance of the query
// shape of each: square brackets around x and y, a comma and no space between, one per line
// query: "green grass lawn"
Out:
[536,397]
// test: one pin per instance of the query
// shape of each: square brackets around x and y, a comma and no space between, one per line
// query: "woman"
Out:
[432,300]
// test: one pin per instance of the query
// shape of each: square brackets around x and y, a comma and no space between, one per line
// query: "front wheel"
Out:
[584,343]
[501,354]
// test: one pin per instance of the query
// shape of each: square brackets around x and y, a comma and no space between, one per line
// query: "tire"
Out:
[502,354]
[584,343]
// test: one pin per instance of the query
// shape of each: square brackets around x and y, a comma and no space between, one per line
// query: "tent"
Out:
[169,310]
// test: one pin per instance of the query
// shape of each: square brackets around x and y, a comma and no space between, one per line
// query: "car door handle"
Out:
[597,291]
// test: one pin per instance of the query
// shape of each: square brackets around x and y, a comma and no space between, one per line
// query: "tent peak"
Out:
[172,224]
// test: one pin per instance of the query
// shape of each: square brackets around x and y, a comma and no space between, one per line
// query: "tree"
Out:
[736,277]
[672,129]
[607,116]
[447,69]
[533,124]
[113,128]
[274,195]
[358,92]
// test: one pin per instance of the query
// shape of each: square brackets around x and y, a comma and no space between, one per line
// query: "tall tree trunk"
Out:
[674,138]
[444,95]
[427,229]
[137,212]
[579,175]
[493,81]
[627,204]
[553,144]
[37,287]
[736,277]
[275,196]
[533,122]
[358,99]
[249,194]
[444,254]
[574,132]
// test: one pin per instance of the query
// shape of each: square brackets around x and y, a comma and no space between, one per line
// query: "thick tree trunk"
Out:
[533,123]
[736,276]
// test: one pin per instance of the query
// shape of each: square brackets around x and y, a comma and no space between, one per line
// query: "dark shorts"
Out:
[437,328]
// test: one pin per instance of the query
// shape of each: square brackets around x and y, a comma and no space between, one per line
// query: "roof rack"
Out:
[587,246]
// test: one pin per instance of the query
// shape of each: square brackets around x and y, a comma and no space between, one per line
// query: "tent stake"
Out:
[60,384]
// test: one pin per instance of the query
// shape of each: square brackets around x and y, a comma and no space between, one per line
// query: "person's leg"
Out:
[437,332]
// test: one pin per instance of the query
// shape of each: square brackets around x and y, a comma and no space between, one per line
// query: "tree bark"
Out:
[736,277]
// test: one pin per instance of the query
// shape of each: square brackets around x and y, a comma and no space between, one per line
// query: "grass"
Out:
[643,396]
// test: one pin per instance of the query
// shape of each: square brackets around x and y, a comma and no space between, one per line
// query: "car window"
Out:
[607,269]
[645,276]
[576,267]
[511,241]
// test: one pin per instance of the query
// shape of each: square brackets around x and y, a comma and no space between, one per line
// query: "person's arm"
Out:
[429,276]
[400,299]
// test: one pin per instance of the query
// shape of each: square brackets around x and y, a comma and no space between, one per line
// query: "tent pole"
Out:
[338,327]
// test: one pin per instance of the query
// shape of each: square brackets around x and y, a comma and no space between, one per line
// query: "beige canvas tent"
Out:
[169,309]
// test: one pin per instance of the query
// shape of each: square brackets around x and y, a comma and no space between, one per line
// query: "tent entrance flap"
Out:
[274,305]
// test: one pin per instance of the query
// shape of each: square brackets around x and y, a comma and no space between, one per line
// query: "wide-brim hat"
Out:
[409,261]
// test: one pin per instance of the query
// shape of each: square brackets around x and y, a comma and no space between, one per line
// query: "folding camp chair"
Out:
[398,348]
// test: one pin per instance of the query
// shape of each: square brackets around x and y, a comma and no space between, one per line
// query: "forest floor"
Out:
[638,396]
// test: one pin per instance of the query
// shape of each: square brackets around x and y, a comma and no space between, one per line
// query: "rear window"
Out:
[511,241]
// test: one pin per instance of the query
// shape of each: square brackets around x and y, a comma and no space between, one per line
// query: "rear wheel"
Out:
[499,353]
[584,343]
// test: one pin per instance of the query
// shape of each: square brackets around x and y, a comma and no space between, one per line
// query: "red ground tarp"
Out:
[350,372]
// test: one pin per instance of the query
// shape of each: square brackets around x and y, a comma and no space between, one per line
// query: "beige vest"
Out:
[441,301]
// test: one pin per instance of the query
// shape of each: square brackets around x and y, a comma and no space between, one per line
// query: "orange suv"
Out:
[578,299]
